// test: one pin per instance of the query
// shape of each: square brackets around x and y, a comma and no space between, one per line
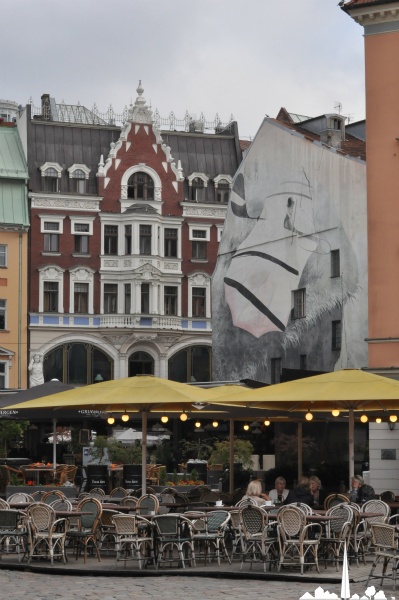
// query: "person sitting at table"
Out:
[319,495]
[255,494]
[301,493]
[280,493]
[360,492]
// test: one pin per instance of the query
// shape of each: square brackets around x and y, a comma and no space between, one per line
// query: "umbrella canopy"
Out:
[142,394]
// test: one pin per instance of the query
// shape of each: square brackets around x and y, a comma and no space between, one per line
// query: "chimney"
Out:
[46,107]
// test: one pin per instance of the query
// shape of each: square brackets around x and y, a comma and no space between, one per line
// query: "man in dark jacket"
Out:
[360,492]
[301,493]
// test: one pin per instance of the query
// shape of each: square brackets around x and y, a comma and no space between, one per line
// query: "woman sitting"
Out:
[316,490]
[254,493]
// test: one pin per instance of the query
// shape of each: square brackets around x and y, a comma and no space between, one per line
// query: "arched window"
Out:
[140,186]
[141,363]
[77,363]
[78,181]
[198,190]
[191,364]
[50,180]
[223,191]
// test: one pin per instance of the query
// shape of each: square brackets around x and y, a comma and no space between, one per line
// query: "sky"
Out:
[245,58]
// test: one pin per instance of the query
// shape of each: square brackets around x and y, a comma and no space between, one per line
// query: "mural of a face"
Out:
[283,221]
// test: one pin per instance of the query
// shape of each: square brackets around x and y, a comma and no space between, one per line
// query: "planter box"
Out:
[70,491]
[177,488]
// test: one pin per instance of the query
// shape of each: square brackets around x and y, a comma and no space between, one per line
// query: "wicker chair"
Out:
[258,536]
[20,498]
[87,527]
[51,496]
[61,504]
[97,493]
[294,538]
[107,529]
[118,492]
[128,501]
[213,535]
[46,532]
[133,539]
[385,541]
[387,496]
[337,533]
[174,532]
[334,499]
[4,504]
[13,532]
[147,504]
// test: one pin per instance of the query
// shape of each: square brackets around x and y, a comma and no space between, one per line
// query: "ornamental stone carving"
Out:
[117,340]
[52,273]
[195,211]
[80,275]
[127,262]
[124,192]
[199,279]
[168,341]
[67,203]
[171,266]
[110,263]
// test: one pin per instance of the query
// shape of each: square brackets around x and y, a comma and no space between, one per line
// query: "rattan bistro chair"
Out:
[133,539]
[46,532]
[13,533]
[258,536]
[337,533]
[87,527]
[148,504]
[296,544]
[385,540]
[212,536]
[174,532]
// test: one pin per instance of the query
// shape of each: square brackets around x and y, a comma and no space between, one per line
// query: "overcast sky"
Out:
[245,58]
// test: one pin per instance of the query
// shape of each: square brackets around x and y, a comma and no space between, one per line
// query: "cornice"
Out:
[59,201]
[375,15]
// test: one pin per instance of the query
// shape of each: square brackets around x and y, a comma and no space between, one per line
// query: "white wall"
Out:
[384,474]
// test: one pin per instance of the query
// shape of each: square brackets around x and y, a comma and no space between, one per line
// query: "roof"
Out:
[12,159]
[13,203]
[351,146]
[365,3]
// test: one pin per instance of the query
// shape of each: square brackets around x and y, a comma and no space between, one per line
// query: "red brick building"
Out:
[125,228]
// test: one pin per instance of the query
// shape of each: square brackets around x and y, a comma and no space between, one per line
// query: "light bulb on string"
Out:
[309,416]
[246,427]
[393,418]
[164,419]
[335,412]
[197,424]
[183,417]
[266,423]
[364,418]
[215,423]
[125,417]
[111,420]
[378,420]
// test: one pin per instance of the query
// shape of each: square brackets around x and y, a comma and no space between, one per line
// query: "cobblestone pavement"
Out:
[15,585]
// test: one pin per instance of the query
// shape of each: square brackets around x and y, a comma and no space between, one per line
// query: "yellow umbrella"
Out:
[345,390]
[142,394]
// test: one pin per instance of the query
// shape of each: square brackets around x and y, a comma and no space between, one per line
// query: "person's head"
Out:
[303,482]
[254,488]
[280,484]
[290,206]
[357,481]
[314,483]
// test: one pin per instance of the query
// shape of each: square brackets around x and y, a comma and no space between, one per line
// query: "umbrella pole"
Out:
[144,452]
[54,445]
[351,446]
[231,457]
[299,450]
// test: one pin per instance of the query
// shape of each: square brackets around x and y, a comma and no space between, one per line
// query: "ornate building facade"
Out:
[126,224]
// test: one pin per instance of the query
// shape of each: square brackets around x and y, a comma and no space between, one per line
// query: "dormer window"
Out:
[223,191]
[51,173]
[197,190]
[50,180]
[140,186]
[78,182]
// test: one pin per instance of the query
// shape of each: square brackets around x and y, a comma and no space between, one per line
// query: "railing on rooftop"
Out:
[76,113]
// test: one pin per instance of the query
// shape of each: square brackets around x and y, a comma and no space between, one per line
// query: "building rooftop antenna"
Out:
[337,107]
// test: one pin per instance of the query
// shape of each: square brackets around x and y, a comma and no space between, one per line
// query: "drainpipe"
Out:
[19,366]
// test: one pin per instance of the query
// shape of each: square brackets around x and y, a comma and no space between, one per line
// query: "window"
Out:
[336,335]
[299,304]
[335,263]
[128,239]
[50,180]
[171,243]
[191,364]
[78,181]
[110,298]
[275,370]
[128,298]
[199,247]
[81,241]
[141,363]
[145,239]
[198,190]
[170,300]
[77,363]
[3,255]
[223,191]
[51,240]
[3,314]
[81,298]
[50,296]
[110,239]
[140,186]
[3,367]
[145,298]
[198,302]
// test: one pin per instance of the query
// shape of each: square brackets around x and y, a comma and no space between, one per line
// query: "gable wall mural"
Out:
[293,203]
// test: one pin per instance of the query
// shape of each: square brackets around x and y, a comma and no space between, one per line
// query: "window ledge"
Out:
[199,260]
[51,253]
[81,255]
[4,331]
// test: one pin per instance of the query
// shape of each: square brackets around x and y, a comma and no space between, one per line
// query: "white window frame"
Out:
[51,274]
[219,229]
[141,167]
[81,275]
[297,295]
[4,252]
[199,280]
[198,227]
[6,364]
[56,167]
[3,310]
[119,298]
[77,167]
[82,221]
[178,286]
[52,219]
